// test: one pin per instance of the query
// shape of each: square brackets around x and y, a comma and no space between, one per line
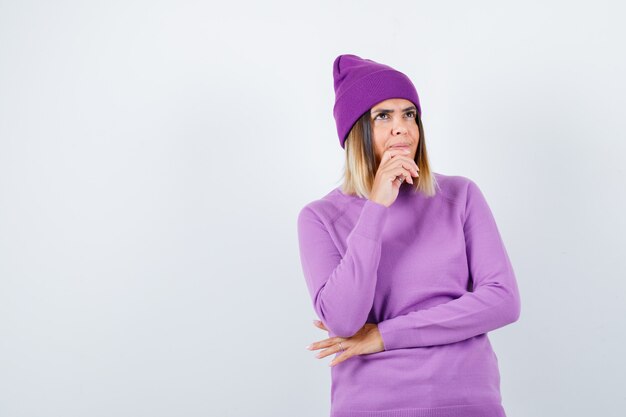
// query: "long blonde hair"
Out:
[362,163]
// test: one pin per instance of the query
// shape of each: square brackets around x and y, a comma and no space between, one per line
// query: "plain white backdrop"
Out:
[154,156]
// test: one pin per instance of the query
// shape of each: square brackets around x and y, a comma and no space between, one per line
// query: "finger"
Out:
[325,343]
[390,153]
[405,175]
[412,169]
[400,179]
[333,348]
[325,352]
[407,178]
[407,163]
[400,173]
[345,355]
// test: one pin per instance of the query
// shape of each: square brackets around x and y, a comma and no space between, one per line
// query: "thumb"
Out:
[319,324]
[386,156]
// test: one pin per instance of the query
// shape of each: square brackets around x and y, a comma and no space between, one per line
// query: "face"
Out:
[394,124]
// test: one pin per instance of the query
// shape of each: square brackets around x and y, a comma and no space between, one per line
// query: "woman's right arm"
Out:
[342,287]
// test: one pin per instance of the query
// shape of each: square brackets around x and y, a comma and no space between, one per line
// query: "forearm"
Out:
[342,288]
[492,306]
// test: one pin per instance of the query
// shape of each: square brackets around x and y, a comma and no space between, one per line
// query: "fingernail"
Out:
[308,347]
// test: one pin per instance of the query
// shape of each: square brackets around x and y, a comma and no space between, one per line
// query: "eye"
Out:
[411,112]
[381,114]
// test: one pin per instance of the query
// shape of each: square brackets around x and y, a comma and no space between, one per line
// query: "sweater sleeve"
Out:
[342,287]
[493,302]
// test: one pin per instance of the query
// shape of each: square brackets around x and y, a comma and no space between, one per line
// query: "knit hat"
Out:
[360,84]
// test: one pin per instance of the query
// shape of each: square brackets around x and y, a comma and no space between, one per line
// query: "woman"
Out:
[405,267]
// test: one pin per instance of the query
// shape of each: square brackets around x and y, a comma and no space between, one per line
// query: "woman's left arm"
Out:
[493,303]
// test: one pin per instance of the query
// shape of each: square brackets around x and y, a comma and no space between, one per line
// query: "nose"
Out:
[399,130]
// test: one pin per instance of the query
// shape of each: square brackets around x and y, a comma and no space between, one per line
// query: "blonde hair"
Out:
[362,163]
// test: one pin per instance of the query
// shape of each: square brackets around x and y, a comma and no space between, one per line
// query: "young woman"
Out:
[405,267]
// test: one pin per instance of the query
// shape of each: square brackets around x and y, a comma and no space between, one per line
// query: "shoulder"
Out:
[455,188]
[327,208]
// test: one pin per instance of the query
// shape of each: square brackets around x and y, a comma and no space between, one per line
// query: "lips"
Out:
[400,146]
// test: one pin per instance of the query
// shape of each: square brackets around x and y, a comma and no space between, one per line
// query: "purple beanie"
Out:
[362,83]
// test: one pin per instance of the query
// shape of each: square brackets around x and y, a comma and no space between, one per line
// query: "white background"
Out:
[154,156]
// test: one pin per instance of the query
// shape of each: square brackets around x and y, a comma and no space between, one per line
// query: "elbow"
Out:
[341,330]
[514,311]
[511,307]
[340,318]
[340,326]
[339,323]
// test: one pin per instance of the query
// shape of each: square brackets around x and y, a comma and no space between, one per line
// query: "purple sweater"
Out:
[434,274]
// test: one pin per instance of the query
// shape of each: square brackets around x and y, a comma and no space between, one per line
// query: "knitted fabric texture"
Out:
[360,84]
[434,275]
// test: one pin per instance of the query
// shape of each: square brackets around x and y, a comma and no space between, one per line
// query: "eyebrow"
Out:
[391,111]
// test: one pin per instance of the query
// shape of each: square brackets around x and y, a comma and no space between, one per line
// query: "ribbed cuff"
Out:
[371,220]
[385,328]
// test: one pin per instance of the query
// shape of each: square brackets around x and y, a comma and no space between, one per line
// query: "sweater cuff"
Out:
[372,219]
[393,339]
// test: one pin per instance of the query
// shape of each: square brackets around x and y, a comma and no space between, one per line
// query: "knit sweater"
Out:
[434,275]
